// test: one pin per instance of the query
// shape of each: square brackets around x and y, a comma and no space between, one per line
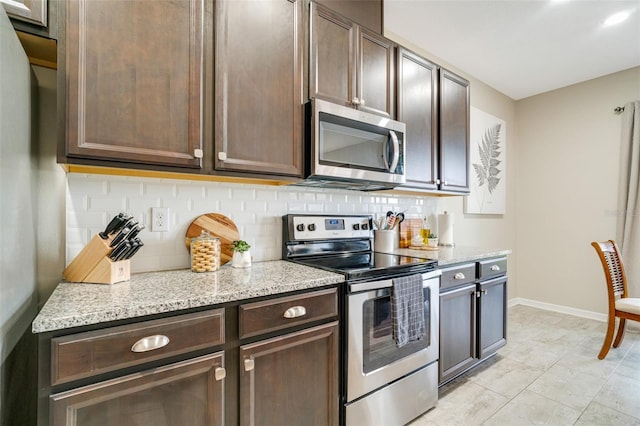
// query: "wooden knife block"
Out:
[92,265]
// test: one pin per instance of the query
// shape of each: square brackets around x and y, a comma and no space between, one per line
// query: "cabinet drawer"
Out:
[457,275]
[283,312]
[492,267]
[94,352]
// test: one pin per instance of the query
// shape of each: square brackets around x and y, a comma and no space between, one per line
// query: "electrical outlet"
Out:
[159,219]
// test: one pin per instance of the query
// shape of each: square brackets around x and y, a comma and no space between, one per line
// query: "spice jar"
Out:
[205,253]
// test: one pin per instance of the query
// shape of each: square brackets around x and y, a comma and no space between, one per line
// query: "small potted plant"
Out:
[432,241]
[241,254]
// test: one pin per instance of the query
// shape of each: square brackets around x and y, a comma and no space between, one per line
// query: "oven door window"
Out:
[379,346]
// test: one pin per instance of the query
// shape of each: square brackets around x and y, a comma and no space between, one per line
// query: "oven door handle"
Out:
[378,285]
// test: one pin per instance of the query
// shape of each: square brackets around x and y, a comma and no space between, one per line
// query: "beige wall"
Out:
[490,231]
[567,178]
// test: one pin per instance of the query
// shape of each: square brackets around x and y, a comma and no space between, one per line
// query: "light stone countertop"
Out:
[79,304]
[451,255]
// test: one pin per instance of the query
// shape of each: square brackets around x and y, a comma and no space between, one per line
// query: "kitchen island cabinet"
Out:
[350,65]
[258,86]
[133,81]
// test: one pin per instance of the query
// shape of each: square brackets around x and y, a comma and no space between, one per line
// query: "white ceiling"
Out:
[522,47]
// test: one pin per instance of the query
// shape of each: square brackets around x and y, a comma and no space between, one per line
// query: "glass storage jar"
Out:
[205,253]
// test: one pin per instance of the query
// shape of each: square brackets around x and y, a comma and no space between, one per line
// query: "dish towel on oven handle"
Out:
[407,309]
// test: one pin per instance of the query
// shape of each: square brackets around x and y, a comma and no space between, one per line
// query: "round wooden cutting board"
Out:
[218,226]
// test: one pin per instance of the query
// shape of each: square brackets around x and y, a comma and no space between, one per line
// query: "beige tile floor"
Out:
[547,374]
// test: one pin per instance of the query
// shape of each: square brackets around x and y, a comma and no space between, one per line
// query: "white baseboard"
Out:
[558,308]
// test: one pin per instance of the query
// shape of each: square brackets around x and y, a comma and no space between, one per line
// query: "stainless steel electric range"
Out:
[382,382]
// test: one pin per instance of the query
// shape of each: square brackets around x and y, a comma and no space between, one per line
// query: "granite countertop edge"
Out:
[454,255]
[80,304]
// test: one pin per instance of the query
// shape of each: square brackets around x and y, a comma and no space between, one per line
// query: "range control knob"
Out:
[300,227]
[356,226]
[365,226]
[312,227]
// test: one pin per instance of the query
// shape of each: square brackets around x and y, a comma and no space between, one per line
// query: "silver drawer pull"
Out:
[220,373]
[249,364]
[495,268]
[150,343]
[459,276]
[295,312]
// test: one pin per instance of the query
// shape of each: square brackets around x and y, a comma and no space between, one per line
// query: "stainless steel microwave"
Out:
[352,149]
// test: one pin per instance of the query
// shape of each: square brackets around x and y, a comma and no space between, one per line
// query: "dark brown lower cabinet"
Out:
[457,331]
[473,318]
[184,393]
[492,316]
[291,379]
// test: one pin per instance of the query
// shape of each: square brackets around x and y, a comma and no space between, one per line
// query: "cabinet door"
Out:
[258,86]
[185,393]
[32,11]
[417,108]
[454,132]
[135,73]
[292,379]
[457,331]
[492,314]
[332,75]
[376,73]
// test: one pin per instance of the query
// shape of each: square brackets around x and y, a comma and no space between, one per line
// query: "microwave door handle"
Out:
[396,151]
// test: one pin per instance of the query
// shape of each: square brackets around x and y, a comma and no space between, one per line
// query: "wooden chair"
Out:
[620,305]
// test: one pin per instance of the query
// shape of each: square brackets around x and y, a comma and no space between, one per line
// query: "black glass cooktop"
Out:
[371,265]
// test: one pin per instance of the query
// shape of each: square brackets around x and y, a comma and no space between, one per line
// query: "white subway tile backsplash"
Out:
[159,190]
[256,210]
[104,203]
[124,188]
[194,191]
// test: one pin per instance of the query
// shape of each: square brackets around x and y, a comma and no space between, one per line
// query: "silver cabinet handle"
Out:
[220,373]
[295,312]
[249,364]
[150,343]
[198,153]
[222,156]
[495,268]
[459,276]
[355,101]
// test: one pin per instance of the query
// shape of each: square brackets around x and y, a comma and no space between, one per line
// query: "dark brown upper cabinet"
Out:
[32,11]
[133,76]
[454,109]
[418,109]
[258,86]
[350,64]
[367,13]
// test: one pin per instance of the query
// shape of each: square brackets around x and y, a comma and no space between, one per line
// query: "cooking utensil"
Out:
[112,226]
[219,226]
[122,235]
[120,249]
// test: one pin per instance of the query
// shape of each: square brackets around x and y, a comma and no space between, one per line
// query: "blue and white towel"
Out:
[407,309]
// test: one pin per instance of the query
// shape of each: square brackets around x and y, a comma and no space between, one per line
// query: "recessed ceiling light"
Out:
[616,18]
